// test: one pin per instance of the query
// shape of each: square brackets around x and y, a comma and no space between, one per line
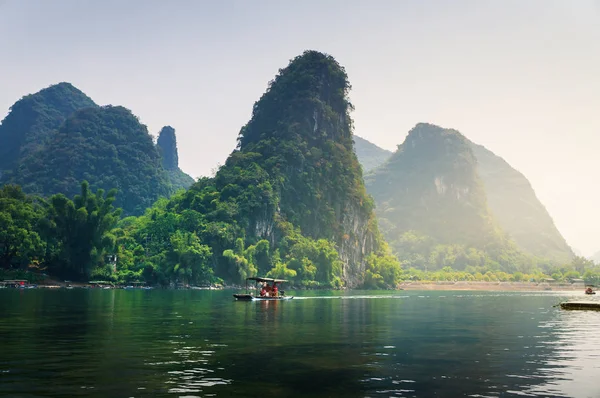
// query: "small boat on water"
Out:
[581,305]
[263,291]
[589,290]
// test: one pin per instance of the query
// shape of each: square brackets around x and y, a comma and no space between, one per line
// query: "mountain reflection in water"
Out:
[135,343]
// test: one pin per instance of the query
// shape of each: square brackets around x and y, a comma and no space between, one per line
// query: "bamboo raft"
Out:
[581,305]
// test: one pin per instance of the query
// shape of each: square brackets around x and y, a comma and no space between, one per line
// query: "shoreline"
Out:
[492,286]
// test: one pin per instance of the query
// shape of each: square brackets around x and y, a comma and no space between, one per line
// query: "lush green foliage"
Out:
[75,238]
[66,237]
[509,195]
[20,242]
[578,269]
[433,208]
[289,202]
[53,139]
[33,119]
[78,232]
[106,146]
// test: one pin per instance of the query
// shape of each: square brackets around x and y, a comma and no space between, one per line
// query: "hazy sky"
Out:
[520,77]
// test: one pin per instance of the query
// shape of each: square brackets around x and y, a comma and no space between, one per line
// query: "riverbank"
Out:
[493,286]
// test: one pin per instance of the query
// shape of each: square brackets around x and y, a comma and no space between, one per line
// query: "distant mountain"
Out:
[369,154]
[596,257]
[430,185]
[517,209]
[512,202]
[33,119]
[58,137]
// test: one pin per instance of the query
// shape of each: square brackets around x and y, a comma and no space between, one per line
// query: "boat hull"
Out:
[581,305]
[249,297]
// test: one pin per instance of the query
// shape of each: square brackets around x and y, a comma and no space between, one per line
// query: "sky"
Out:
[521,77]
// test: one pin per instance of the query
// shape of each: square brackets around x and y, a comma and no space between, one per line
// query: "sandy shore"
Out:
[505,286]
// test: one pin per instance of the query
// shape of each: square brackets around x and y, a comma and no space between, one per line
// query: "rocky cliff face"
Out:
[167,148]
[300,133]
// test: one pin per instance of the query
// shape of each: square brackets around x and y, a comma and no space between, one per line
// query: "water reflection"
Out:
[572,367]
[351,344]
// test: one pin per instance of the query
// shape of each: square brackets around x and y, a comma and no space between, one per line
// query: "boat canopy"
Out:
[259,279]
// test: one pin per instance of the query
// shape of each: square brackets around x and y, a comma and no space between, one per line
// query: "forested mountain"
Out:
[106,146]
[289,201]
[33,119]
[431,185]
[369,155]
[58,137]
[511,201]
[167,148]
[517,209]
[432,204]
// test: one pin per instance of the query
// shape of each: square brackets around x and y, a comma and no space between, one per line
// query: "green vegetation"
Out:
[517,209]
[433,210]
[167,148]
[69,238]
[289,202]
[369,155]
[20,242]
[106,146]
[58,137]
[33,119]
[510,199]
[75,239]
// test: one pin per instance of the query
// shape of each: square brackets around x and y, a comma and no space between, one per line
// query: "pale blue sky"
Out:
[521,77]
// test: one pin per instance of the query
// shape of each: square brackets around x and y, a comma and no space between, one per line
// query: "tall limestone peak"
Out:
[34,117]
[167,147]
[430,185]
[309,97]
[298,148]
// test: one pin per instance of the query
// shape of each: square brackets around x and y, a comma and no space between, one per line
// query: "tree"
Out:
[20,242]
[79,230]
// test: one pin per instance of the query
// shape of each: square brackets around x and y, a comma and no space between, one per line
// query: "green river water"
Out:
[192,343]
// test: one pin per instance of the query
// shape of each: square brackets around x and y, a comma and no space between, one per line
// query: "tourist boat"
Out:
[589,290]
[258,284]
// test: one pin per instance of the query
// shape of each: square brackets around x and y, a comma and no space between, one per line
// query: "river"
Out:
[191,343]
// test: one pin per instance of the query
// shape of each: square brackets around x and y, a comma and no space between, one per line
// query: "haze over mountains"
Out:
[451,165]
[292,187]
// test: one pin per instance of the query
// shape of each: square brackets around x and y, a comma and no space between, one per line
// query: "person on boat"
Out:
[275,290]
[263,291]
[269,290]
